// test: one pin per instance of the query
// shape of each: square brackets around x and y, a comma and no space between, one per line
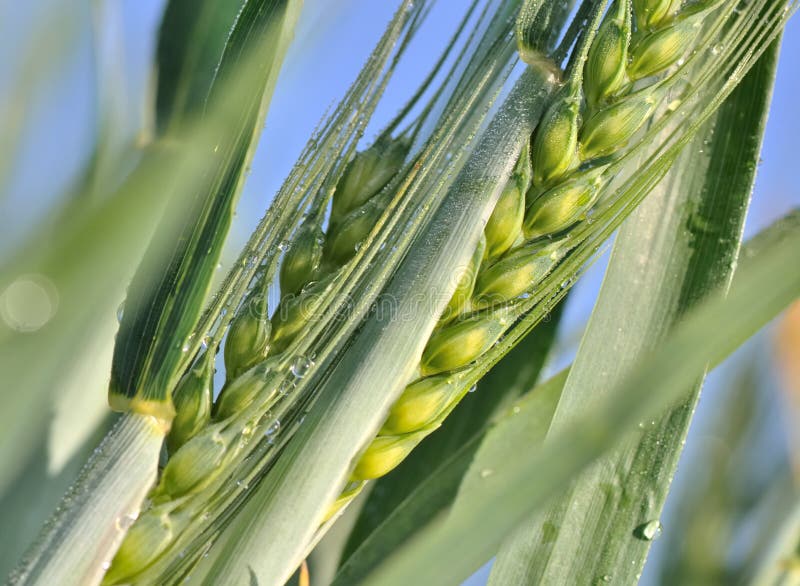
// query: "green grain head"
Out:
[611,128]
[458,343]
[652,14]
[295,311]
[421,404]
[259,382]
[505,223]
[385,453]
[301,262]
[564,205]
[553,151]
[367,174]
[516,274]
[343,242]
[194,465]
[145,540]
[248,338]
[466,282]
[654,53]
[604,73]
[192,399]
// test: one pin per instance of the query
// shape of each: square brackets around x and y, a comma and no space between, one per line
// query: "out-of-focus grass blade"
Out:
[164,302]
[781,563]
[689,231]
[523,479]
[65,285]
[740,491]
[402,502]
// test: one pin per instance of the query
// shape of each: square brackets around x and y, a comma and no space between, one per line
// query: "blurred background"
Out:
[73,73]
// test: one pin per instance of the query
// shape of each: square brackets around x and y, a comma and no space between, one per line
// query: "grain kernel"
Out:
[421,403]
[192,399]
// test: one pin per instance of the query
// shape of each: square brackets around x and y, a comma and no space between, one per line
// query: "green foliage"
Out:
[410,272]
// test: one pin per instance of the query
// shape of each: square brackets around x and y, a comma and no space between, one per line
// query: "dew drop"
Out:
[300,366]
[120,311]
[125,521]
[286,387]
[473,388]
[272,430]
[648,531]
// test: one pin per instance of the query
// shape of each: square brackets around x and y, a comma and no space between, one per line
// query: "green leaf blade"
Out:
[164,302]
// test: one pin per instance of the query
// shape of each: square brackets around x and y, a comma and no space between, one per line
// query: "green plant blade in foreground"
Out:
[103,492]
[164,302]
[450,549]
[689,230]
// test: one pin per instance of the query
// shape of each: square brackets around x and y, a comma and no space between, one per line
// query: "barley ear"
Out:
[366,174]
[145,540]
[504,227]
[193,466]
[466,283]
[295,311]
[564,205]
[421,404]
[605,70]
[459,343]
[516,273]
[192,399]
[654,53]
[554,147]
[248,338]
[652,14]
[385,453]
[344,241]
[611,128]
[301,262]
[239,394]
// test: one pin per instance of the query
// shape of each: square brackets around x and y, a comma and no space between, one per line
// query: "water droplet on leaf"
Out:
[649,531]
[300,366]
